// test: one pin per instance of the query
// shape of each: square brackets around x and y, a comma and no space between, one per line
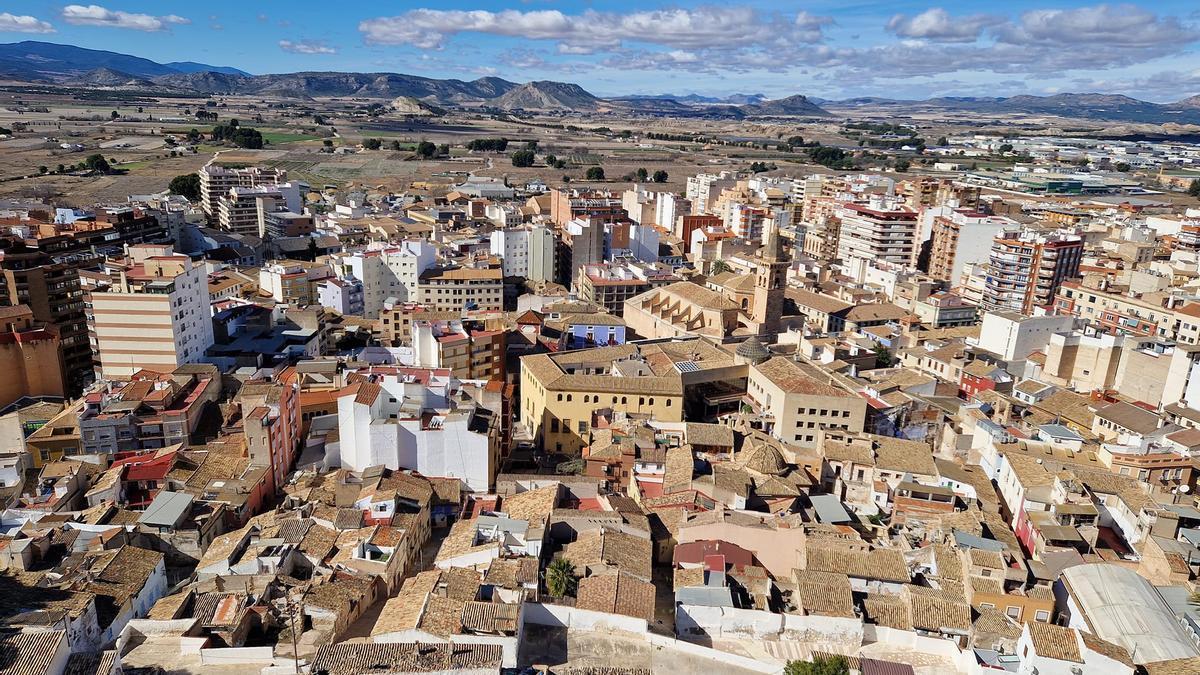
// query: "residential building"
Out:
[415,419]
[391,273]
[216,181]
[609,285]
[464,348]
[462,288]
[958,237]
[795,402]
[1026,268]
[881,230]
[294,282]
[344,296]
[155,316]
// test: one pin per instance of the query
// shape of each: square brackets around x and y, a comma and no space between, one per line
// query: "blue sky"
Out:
[821,48]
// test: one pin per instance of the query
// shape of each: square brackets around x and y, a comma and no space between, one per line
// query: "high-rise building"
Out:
[155,316]
[388,274]
[217,180]
[957,237]
[881,230]
[1026,268]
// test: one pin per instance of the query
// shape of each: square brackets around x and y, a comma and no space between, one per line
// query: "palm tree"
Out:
[560,578]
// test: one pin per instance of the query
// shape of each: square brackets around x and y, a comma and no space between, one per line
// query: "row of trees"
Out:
[243,137]
[488,144]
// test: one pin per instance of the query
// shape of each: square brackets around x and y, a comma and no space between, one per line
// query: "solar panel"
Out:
[687,367]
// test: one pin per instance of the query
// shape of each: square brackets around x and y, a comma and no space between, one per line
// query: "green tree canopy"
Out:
[821,665]
[523,158]
[595,173]
[187,185]
[561,580]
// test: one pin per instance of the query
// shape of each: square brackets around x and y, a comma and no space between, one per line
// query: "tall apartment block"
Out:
[216,181]
[156,316]
[1026,268]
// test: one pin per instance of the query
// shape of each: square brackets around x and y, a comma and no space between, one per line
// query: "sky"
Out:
[824,48]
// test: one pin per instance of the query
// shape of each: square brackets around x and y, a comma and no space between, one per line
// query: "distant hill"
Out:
[792,106]
[109,78]
[50,61]
[546,95]
[47,62]
[193,67]
[1089,106]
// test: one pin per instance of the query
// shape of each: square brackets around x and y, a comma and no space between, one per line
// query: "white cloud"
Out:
[95,15]
[592,31]
[306,47]
[12,23]
[1121,26]
[936,24]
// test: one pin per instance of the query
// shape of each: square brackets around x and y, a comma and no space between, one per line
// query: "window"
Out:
[1042,616]
[1013,612]
[986,605]
[554,426]
[583,427]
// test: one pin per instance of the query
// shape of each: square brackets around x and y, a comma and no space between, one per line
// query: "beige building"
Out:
[29,357]
[217,180]
[462,288]
[156,316]
[679,309]
[796,401]
[561,391]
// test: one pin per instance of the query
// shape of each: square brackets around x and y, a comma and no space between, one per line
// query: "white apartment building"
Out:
[703,188]
[668,208]
[216,181]
[403,421]
[245,210]
[156,317]
[879,230]
[389,273]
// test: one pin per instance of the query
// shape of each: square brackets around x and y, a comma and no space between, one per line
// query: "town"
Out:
[853,402]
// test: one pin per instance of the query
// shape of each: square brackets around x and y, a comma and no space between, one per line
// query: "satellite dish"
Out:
[1185,489]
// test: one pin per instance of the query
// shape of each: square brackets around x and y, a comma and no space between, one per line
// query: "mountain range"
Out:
[67,65]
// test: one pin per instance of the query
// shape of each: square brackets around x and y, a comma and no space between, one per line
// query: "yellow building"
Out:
[560,392]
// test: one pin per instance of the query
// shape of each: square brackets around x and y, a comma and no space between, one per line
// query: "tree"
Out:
[902,165]
[426,150]
[641,174]
[719,266]
[394,145]
[523,158]
[560,578]
[821,665]
[795,141]
[883,356]
[372,143]
[96,163]
[187,185]
[943,141]
[595,173]
[660,176]
[193,136]
[318,120]
[43,169]
[1194,189]
[115,114]
[60,168]
[328,142]
[1122,167]
[1005,147]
